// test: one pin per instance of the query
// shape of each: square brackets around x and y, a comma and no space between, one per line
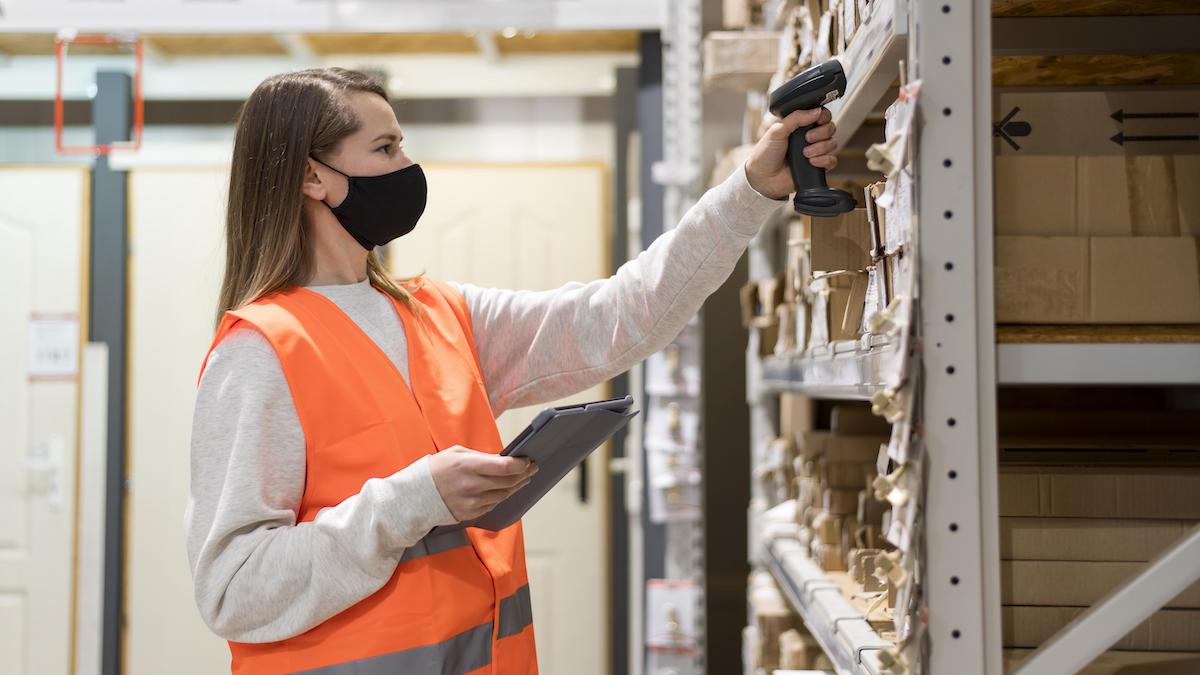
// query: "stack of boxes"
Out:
[1071,534]
[777,638]
[835,498]
[832,477]
[1090,228]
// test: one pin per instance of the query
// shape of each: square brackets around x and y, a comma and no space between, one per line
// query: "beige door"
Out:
[534,227]
[176,218]
[43,214]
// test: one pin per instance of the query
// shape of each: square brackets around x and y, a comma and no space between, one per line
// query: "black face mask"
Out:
[378,209]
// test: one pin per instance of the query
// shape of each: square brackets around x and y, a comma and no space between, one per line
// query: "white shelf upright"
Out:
[950,54]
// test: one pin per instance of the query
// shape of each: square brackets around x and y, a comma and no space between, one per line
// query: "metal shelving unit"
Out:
[958,358]
[841,630]
[943,356]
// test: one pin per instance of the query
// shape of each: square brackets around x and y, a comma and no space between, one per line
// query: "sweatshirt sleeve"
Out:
[258,575]
[539,346]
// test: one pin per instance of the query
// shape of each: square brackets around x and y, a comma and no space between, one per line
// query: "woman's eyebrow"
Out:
[392,137]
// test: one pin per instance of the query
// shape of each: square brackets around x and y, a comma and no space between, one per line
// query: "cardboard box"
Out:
[785,317]
[829,557]
[1097,280]
[838,303]
[827,528]
[870,510]
[846,309]
[840,501]
[1168,629]
[1123,663]
[1034,195]
[856,419]
[862,568]
[1144,280]
[740,60]
[797,651]
[847,475]
[1041,279]
[1080,121]
[1087,539]
[1102,196]
[1104,492]
[1152,195]
[1187,173]
[876,218]
[842,243]
[1074,584]
[795,414]
[854,447]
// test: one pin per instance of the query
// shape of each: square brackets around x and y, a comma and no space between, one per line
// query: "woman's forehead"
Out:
[375,113]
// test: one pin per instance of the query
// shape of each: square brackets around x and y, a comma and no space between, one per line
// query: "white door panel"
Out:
[534,227]
[40,275]
[176,223]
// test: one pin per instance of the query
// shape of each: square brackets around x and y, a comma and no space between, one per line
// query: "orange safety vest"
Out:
[457,602]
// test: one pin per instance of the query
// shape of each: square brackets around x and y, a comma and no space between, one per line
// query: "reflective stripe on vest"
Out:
[432,544]
[460,654]
[363,421]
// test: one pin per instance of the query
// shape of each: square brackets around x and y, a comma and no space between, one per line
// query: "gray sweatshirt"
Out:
[260,576]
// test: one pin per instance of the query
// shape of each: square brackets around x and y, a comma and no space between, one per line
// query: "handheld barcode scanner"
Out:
[813,88]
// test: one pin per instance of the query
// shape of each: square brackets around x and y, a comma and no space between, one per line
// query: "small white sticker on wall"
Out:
[53,346]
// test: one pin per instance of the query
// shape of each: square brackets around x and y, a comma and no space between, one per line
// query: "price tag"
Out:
[53,347]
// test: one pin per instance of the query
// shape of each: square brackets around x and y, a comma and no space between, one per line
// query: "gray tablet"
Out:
[558,439]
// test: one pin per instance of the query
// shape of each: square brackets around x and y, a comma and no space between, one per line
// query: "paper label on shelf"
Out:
[53,347]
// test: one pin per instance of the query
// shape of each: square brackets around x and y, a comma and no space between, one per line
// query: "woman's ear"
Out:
[312,187]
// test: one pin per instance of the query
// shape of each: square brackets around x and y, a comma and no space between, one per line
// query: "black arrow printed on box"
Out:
[1121,115]
[1122,139]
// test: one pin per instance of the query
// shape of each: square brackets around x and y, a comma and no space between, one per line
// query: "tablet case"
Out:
[558,440]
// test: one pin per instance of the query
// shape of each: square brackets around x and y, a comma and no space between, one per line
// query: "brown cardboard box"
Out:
[1144,280]
[1103,492]
[1041,279]
[785,317]
[827,527]
[1124,663]
[1168,629]
[853,447]
[1035,195]
[1082,121]
[795,414]
[855,419]
[1102,196]
[870,510]
[810,444]
[840,501]
[1187,177]
[1072,583]
[851,313]
[1152,195]
[862,568]
[829,557]
[842,243]
[797,651]
[848,475]
[1087,539]
[740,60]
[877,219]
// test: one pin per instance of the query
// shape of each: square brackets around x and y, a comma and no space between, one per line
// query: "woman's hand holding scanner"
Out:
[473,483]
[767,169]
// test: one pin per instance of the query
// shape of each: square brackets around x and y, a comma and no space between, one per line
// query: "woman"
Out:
[341,415]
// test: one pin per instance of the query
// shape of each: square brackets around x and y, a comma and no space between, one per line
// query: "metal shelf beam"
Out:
[851,375]
[1097,364]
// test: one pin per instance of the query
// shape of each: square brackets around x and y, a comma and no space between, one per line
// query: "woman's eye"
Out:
[385,149]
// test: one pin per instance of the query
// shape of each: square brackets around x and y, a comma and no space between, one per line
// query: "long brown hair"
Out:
[287,118]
